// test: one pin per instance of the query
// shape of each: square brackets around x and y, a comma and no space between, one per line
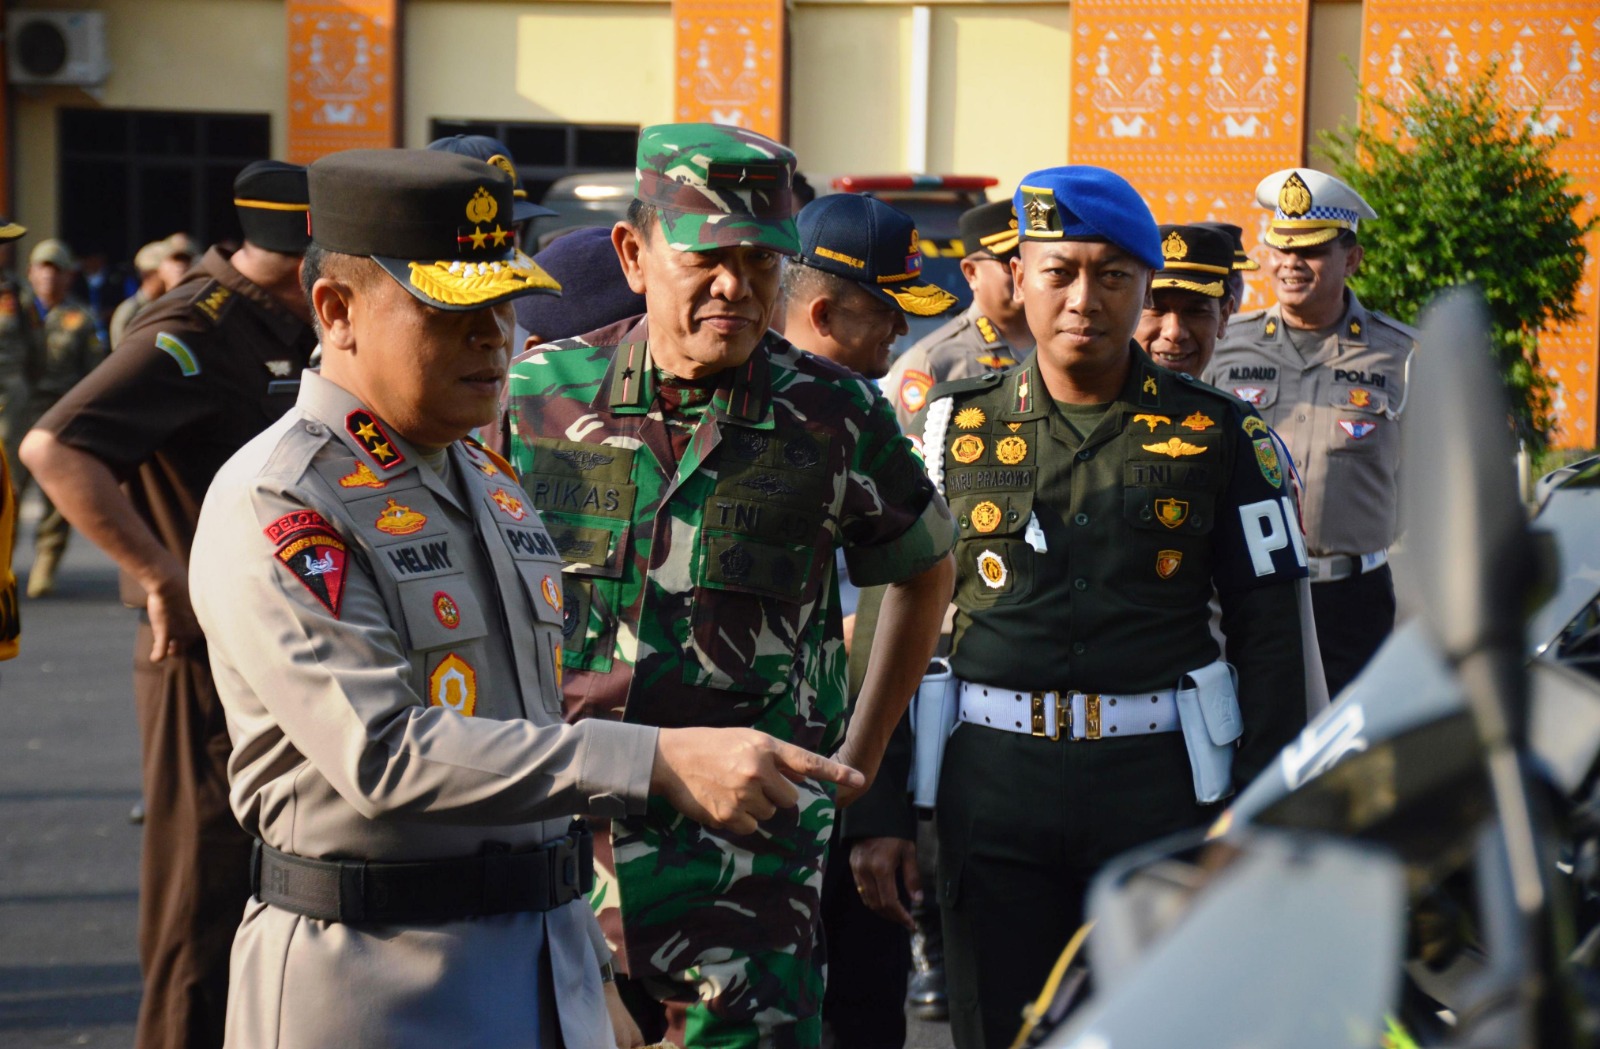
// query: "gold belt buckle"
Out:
[1063,716]
[1091,707]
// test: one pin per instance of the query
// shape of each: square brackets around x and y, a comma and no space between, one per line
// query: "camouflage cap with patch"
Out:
[438,223]
[716,186]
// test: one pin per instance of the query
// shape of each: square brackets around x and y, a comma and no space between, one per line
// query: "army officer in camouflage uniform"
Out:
[1100,500]
[1329,375]
[698,473]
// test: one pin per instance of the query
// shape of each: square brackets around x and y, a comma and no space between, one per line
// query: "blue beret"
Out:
[594,291]
[1078,201]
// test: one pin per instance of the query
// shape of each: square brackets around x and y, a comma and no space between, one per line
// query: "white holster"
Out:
[1208,712]
[933,718]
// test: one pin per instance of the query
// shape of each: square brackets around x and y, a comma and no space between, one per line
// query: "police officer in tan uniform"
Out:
[1329,376]
[989,335]
[384,615]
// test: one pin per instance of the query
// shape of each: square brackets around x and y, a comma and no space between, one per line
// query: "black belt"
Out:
[498,882]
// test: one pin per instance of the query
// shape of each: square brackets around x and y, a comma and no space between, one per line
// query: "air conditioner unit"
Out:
[56,47]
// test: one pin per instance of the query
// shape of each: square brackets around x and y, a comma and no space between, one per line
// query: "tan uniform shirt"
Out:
[385,633]
[969,344]
[1338,409]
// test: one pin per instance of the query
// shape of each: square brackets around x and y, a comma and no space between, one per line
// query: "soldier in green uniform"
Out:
[1329,375]
[72,348]
[697,474]
[990,334]
[1100,501]
[846,296]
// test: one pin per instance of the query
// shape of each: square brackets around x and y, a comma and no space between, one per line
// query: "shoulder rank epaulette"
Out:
[1247,316]
[212,301]
[950,387]
[487,459]
[1390,322]
[987,330]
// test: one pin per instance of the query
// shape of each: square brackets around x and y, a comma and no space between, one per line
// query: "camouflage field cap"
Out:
[438,223]
[716,186]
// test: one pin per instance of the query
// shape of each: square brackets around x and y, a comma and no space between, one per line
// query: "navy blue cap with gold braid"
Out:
[493,151]
[1079,202]
[873,245]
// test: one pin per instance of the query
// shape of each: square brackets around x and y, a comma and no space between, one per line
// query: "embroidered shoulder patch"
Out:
[914,387]
[179,351]
[313,553]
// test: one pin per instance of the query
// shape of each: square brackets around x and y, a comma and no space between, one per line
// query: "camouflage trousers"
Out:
[722,931]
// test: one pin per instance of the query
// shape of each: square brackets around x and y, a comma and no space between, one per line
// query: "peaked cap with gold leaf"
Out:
[1195,258]
[874,245]
[438,223]
[1309,207]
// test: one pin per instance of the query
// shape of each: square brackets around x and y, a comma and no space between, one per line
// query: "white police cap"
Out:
[1309,207]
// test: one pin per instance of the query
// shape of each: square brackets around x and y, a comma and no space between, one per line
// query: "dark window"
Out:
[546,152]
[131,176]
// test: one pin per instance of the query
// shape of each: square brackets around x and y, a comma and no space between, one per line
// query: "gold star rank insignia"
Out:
[369,433]
[1355,327]
[1272,327]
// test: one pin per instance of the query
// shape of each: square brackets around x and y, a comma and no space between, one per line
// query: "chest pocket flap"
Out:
[983,514]
[585,494]
[439,612]
[1353,398]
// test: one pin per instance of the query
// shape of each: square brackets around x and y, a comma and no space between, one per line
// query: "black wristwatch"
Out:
[608,973]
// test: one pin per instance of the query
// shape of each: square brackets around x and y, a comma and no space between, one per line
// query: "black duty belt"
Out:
[499,881]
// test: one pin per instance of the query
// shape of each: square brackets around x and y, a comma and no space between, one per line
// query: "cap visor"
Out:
[1245,265]
[919,300]
[452,284]
[1301,238]
[11,231]
[523,210]
[697,232]
[1215,289]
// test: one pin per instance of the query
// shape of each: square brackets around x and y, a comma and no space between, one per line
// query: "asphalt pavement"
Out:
[69,858]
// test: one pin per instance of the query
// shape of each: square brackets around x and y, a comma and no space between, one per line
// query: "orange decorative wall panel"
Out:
[1194,102]
[1548,51]
[343,76]
[730,63]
